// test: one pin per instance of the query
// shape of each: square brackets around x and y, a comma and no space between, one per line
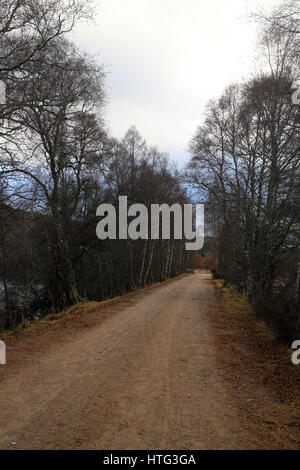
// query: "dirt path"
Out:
[147,377]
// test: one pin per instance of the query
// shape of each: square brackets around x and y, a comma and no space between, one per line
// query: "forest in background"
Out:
[245,165]
[58,163]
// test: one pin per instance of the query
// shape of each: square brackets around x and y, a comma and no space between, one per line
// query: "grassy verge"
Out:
[259,338]
[78,310]
[263,382]
[239,308]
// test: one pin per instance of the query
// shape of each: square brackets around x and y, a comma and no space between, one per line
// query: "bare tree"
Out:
[59,135]
[28,26]
[285,17]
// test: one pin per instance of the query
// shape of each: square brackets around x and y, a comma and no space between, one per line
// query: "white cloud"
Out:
[166,59]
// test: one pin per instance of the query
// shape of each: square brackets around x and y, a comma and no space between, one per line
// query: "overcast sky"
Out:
[165,59]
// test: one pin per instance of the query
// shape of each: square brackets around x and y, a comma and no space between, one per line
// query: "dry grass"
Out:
[239,309]
[79,310]
[259,369]
[238,306]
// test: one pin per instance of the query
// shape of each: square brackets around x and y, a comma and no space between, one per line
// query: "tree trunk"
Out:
[149,262]
[66,268]
[143,262]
